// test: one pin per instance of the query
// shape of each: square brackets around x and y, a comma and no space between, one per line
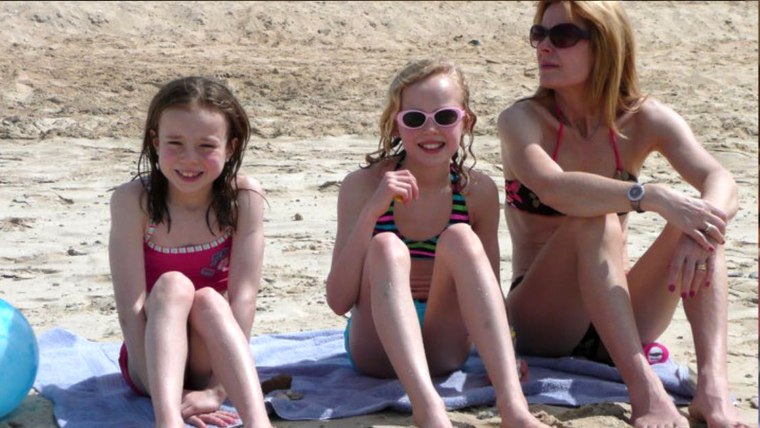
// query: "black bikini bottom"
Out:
[590,346]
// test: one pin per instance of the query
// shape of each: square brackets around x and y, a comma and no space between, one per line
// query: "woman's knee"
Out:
[596,230]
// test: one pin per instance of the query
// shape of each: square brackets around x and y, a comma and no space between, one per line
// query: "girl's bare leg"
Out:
[229,356]
[385,336]
[466,300]
[168,307]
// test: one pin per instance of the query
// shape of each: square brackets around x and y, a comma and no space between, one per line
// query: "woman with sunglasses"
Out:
[416,257]
[571,154]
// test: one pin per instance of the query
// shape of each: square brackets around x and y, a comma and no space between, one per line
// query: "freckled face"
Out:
[432,143]
[192,147]
[563,67]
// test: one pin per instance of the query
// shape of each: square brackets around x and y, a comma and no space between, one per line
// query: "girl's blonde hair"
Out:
[614,80]
[390,142]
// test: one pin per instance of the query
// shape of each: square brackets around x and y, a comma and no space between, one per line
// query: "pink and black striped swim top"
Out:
[425,249]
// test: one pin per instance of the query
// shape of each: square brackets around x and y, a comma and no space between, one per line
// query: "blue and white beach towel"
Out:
[82,380]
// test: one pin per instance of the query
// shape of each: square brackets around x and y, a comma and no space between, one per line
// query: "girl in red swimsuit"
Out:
[571,154]
[186,252]
[416,257]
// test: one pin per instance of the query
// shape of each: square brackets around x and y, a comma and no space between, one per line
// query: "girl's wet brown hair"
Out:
[208,94]
[390,143]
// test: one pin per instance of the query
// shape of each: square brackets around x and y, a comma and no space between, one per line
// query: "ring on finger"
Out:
[701,266]
[706,229]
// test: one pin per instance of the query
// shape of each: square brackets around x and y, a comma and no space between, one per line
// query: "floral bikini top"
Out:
[522,198]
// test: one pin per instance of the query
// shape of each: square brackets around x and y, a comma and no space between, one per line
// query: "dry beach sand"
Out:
[76,78]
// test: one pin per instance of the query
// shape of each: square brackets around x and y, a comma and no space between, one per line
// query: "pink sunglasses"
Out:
[444,117]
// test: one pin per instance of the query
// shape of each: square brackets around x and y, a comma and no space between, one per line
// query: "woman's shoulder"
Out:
[652,116]
[527,113]
[651,110]
[520,108]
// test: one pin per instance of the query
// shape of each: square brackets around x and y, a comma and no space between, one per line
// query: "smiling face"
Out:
[432,144]
[192,148]
[563,67]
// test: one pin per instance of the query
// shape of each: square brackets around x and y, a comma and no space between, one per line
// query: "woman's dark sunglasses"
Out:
[445,117]
[561,35]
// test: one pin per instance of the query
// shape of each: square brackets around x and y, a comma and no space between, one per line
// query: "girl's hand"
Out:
[693,265]
[400,185]
[699,219]
[202,407]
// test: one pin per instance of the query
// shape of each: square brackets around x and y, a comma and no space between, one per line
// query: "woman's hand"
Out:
[400,185]
[202,407]
[693,265]
[699,219]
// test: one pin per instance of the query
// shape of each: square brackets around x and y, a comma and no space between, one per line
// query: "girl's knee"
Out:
[387,246]
[207,297]
[207,302]
[172,287]
[459,238]
[387,255]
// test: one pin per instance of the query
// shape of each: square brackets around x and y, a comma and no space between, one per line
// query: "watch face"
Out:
[636,192]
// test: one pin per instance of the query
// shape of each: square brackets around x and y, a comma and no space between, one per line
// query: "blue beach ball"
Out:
[19,358]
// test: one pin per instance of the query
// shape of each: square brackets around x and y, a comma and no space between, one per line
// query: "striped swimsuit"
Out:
[424,249]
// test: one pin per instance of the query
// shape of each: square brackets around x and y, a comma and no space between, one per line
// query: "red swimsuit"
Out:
[206,265]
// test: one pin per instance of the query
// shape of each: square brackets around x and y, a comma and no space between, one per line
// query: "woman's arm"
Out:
[125,254]
[677,143]
[584,194]
[247,255]
[675,140]
[521,133]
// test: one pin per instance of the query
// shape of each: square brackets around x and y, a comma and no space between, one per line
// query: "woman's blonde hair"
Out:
[390,142]
[614,80]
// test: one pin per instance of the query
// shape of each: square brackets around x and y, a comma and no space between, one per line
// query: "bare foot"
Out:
[434,417]
[433,421]
[717,412]
[530,422]
[521,419]
[660,413]
[661,420]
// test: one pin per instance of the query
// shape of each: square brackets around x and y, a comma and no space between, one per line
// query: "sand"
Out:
[76,78]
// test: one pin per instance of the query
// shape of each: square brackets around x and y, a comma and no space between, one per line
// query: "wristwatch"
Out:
[635,195]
